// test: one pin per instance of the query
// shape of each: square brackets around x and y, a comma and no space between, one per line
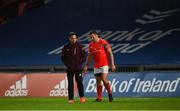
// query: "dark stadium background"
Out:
[29,33]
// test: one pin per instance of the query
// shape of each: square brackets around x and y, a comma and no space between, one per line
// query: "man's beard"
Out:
[92,39]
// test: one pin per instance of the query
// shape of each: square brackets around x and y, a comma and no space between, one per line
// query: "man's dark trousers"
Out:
[79,80]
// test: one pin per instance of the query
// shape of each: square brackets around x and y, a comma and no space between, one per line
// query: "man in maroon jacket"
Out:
[73,56]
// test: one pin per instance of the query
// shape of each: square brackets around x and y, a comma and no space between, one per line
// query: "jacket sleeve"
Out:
[83,56]
[63,56]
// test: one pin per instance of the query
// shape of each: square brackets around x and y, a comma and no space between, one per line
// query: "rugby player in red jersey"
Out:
[100,51]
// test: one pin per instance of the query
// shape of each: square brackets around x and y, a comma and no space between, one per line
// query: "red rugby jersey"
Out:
[97,48]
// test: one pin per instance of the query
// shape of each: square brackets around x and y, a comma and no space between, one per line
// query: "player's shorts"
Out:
[100,70]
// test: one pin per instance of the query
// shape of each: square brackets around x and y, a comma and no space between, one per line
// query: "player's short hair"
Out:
[93,32]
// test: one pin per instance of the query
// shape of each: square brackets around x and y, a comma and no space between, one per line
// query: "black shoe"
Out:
[110,97]
[98,100]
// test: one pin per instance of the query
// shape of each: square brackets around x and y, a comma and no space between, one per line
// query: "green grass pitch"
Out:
[62,104]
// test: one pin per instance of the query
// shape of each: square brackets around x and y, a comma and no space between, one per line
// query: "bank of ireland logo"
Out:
[19,88]
[154,16]
[61,89]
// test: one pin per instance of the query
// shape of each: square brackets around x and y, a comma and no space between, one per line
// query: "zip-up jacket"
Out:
[73,56]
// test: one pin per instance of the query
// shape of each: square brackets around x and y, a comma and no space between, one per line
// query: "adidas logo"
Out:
[19,88]
[60,89]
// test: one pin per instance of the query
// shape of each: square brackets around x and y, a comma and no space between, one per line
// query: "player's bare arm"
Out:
[88,61]
[111,58]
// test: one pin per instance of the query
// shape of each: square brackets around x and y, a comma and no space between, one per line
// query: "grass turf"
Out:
[117,104]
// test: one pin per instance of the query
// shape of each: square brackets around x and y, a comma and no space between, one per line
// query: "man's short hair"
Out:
[71,33]
[93,32]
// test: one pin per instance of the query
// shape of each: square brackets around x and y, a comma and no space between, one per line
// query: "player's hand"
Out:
[113,67]
[85,69]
